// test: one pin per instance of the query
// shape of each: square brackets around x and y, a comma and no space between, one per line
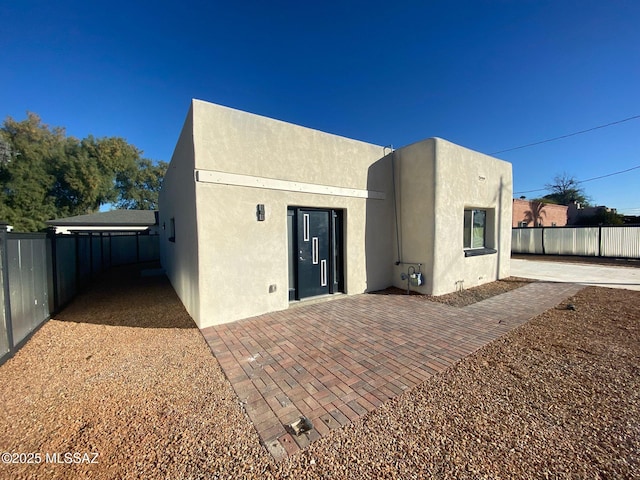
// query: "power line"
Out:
[531,191]
[565,136]
[584,181]
[610,174]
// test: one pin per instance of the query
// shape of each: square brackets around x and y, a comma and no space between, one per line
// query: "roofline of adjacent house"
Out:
[54,223]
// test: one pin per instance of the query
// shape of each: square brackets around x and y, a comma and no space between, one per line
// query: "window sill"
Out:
[476,252]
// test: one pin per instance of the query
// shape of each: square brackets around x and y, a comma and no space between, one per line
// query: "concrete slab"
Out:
[583,274]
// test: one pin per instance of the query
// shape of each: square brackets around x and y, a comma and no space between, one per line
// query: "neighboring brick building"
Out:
[527,213]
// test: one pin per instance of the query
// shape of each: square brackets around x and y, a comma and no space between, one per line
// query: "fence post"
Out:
[76,237]
[51,233]
[91,273]
[101,253]
[542,235]
[5,285]
[599,240]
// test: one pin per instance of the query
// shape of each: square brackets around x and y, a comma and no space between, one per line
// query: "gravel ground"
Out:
[124,372]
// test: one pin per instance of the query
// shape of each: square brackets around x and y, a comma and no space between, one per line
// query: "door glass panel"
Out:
[292,253]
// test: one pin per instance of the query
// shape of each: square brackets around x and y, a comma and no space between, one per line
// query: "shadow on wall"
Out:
[498,227]
[535,213]
[380,226]
[131,296]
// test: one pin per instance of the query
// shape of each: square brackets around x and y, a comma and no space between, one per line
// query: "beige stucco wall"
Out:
[178,200]
[438,180]
[225,265]
[468,179]
[415,193]
[241,258]
[234,141]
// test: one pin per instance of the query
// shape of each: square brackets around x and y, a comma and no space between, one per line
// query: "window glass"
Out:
[475,223]
[467,228]
[479,222]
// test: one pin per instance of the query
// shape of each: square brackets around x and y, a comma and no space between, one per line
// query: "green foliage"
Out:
[565,190]
[45,175]
[139,188]
[602,217]
[549,201]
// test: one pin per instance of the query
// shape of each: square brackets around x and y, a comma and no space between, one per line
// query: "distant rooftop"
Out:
[113,218]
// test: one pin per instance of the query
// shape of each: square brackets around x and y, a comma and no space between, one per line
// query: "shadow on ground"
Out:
[130,296]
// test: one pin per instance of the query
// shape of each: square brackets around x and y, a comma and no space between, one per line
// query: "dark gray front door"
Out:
[314,240]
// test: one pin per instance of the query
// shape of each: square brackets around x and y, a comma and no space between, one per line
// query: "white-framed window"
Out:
[475,228]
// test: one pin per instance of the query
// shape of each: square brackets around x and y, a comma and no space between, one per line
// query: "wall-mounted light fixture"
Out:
[260,212]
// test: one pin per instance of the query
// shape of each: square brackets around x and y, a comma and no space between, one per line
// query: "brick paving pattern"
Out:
[335,361]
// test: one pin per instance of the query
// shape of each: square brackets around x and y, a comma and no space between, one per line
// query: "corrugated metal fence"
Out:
[41,273]
[613,241]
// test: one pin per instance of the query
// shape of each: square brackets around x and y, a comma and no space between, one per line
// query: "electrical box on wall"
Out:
[260,212]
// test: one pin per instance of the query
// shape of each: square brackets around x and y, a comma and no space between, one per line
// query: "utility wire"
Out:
[587,180]
[610,174]
[566,136]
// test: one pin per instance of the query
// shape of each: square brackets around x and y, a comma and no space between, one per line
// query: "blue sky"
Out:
[488,75]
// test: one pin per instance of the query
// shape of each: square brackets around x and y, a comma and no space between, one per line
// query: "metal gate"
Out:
[25,287]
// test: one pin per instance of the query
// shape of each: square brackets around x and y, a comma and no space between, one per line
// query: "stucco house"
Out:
[257,213]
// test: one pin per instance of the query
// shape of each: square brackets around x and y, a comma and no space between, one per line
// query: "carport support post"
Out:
[5,285]
[91,273]
[101,253]
[54,267]
[76,237]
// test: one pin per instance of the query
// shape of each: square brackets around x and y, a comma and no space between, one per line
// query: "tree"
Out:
[602,217]
[45,174]
[25,178]
[6,154]
[139,188]
[565,190]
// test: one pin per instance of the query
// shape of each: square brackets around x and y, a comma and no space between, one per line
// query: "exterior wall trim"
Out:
[224,178]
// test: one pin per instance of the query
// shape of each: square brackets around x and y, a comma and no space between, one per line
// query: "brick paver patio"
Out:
[335,361]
